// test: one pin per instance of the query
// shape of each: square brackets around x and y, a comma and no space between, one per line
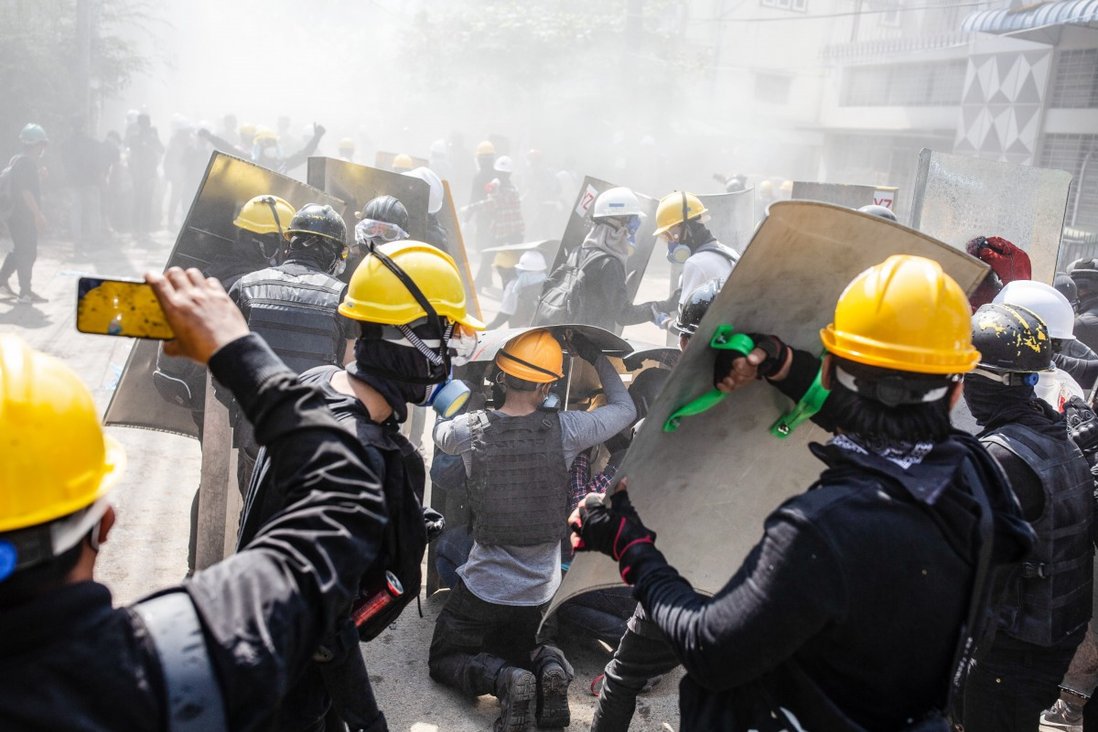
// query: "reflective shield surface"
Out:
[356,184]
[957,198]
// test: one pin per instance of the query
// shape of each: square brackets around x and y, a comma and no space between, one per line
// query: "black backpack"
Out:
[405,539]
[558,304]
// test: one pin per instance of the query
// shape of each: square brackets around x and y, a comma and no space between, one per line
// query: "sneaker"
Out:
[515,689]
[33,297]
[1063,716]
[24,300]
[552,711]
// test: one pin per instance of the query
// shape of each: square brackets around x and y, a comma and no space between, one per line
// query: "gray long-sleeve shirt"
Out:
[529,575]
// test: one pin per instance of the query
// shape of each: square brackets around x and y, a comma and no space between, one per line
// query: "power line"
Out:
[897,9]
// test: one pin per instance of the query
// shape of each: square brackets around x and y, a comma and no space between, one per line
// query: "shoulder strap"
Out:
[193,695]
[963,656]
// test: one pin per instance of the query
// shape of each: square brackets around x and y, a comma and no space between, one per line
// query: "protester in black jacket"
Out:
[69,660]
[848,611]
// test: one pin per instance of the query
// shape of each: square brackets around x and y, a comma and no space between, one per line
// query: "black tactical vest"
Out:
[1050,596]
[518,483]
[294,309]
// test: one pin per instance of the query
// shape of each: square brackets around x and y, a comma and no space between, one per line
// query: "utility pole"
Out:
[87,12]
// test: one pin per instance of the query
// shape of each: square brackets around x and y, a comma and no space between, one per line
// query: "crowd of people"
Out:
[939,571]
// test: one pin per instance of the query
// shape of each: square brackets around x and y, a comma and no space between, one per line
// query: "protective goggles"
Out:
[372,231]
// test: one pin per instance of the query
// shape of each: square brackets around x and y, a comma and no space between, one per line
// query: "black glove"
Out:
[776,354]
[616,531]
[434,521]
[580,345]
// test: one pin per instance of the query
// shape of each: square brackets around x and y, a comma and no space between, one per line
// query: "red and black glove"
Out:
[615,530]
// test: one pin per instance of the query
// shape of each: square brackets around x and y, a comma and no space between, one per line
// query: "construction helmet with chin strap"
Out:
[58,465]
[534,356]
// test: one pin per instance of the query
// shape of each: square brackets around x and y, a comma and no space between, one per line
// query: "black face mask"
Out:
[401,374]
[991,402]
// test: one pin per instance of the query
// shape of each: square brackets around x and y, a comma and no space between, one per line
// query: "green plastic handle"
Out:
[725,338]
[812,401]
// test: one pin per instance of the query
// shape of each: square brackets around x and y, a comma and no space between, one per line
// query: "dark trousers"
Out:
[1011,684]
[643,653]
[24,239]
[600,614]
[336,682]
[474,640]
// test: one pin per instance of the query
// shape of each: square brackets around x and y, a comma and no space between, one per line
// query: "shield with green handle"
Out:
[705,485]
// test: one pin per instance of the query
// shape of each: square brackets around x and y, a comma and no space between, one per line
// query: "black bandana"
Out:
[382,365]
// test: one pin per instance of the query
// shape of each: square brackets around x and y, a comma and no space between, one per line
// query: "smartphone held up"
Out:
[120,308]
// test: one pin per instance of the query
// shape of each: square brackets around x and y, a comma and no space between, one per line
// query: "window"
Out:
[904,85]
[891,13]
[1075,84]
[1070,152]
[799,6]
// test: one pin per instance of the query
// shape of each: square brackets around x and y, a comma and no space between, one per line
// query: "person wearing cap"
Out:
[26,221]
[1042,612]
[500,221]
[218,651]
[407,301]
[517,458]
[848,612]
[520,296]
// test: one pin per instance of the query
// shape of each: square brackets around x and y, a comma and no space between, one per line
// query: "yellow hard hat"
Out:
[246,129]
[486,148]
[403,161]
[265,134]
[376,295]
[346,144]
[904,314]
[56,458]
[533,356]
[670,210]
[265,215]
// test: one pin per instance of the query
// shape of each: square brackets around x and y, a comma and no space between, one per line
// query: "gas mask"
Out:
[424,374]
[632,226]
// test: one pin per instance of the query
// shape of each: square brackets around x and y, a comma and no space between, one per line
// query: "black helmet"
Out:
[388,209]
[1067,288]
[1010,339]
[875,209]
[646,387]
[1084,272]
[318,220]
[695,307]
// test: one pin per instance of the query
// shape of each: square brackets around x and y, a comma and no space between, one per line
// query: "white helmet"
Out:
[531,261]
[503,164]
[1044,301]
[439,147]
[618,201]
[430,177]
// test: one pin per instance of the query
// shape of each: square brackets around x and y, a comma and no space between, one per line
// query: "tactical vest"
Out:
[1050,597]
[294,309]
[518,482]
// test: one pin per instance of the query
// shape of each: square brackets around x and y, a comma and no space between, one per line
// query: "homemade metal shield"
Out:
[840,194]
[579,223]
[706,487]
[731,217]
[356,184]
[957,198]
[206,241]
[448,217]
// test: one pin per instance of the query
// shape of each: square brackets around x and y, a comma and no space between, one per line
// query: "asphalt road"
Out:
[148,547]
